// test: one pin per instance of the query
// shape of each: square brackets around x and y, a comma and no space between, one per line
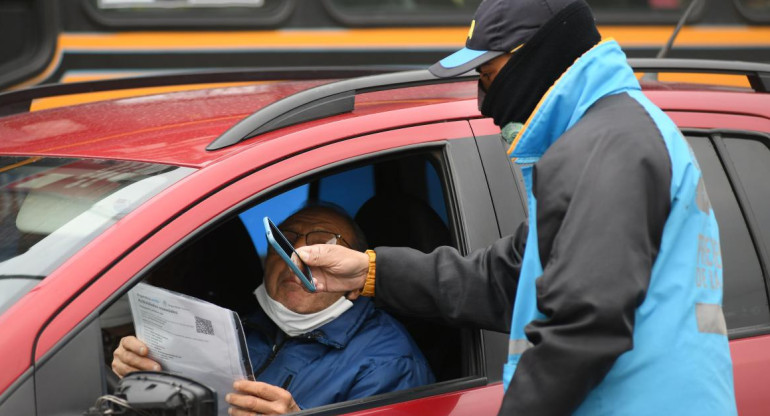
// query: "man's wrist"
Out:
[368,289]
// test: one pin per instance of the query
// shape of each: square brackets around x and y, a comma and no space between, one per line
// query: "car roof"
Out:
[176,128]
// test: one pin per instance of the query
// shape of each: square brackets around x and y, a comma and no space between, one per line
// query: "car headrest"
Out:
[398,219]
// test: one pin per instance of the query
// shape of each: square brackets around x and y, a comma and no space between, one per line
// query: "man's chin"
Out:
[293,296]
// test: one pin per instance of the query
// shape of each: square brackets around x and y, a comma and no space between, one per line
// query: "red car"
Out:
[171,189]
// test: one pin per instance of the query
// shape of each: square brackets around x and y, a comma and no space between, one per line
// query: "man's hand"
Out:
[336,268]
[257,398]
[130,356]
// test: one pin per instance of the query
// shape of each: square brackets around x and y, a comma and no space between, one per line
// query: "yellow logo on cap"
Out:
[470,31]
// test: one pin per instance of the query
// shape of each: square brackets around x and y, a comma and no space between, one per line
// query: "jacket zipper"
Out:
[276,348]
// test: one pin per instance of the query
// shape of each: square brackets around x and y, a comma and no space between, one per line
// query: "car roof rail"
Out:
[20,101]
[758,74]
[324,101]
[339,97]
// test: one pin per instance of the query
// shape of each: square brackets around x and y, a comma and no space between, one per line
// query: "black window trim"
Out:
[426,19]
[715,137]
[144,20]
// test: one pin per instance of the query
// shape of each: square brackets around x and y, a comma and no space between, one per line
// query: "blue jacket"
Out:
[627,305]
[363,352]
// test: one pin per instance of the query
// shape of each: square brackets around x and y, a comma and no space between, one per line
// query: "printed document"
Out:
[191,337]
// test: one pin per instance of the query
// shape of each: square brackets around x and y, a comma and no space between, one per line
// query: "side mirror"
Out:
[157,394]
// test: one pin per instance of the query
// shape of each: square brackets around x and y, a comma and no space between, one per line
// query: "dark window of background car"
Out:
[754,10]
[394,12]
[745,300]
[187,13]
[642,11]
[460,12]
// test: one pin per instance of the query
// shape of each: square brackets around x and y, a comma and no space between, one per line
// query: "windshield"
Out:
[51,207]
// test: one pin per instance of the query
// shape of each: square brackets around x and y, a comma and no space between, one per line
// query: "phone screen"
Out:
[284,249]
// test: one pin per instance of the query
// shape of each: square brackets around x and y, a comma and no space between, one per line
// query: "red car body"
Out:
[175,129]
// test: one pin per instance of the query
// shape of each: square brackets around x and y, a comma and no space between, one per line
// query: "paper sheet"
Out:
[191,337]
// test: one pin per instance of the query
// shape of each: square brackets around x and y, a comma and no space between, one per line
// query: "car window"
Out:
[452,12]
[52,207]
[745,299]
[188,13]
[754,10]
[445,12]
[751,157]
[399,200]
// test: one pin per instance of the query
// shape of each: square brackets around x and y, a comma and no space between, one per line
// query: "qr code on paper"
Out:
[204,326]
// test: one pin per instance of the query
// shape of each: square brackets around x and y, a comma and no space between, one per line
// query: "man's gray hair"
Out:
[359,238]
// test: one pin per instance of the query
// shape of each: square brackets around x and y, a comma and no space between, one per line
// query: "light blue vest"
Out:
[680,363]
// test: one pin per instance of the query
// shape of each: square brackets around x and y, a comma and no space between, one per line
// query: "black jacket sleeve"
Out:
[603,195]
[477,290]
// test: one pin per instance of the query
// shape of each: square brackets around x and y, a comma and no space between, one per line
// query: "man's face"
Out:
[281,283]
[489,70]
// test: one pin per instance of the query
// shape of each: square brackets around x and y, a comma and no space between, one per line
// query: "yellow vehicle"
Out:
[76,40]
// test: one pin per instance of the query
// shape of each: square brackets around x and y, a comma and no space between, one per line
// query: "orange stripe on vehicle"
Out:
[689,36]
[274,39]
[82,76]
[389,38]
[22,163]
[698,78]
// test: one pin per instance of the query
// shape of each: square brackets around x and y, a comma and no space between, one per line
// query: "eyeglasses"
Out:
[316,237]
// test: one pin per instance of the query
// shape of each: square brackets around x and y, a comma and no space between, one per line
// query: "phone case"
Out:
[281,249]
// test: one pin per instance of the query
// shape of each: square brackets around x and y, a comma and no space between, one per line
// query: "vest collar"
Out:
[600,72]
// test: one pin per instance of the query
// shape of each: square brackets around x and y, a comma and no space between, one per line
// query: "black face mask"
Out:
[536,66]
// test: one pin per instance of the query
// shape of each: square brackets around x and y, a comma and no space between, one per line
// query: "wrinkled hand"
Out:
[130,356]
[257,398]
[336,268]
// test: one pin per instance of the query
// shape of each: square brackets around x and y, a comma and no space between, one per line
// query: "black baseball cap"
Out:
[498,27]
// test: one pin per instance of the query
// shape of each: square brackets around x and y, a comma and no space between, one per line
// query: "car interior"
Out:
[398,201]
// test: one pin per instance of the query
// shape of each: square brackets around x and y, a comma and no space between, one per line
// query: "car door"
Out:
[735,167]
[73,371]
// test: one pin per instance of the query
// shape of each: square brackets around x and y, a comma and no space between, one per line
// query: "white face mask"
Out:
[293,323]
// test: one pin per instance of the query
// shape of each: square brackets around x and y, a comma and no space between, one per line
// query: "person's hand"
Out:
[257,398]
[130,356]
[335,268]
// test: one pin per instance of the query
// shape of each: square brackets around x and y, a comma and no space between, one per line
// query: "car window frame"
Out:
[145,19]
[716,135]
[112,284]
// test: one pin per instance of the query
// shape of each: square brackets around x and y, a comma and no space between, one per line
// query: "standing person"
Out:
[617,299]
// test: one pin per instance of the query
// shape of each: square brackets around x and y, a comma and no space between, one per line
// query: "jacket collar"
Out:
[601,71]
[336,333]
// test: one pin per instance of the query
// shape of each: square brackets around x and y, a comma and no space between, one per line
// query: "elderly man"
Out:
[309,349]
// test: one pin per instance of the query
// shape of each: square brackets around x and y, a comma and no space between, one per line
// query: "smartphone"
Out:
[284,249]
